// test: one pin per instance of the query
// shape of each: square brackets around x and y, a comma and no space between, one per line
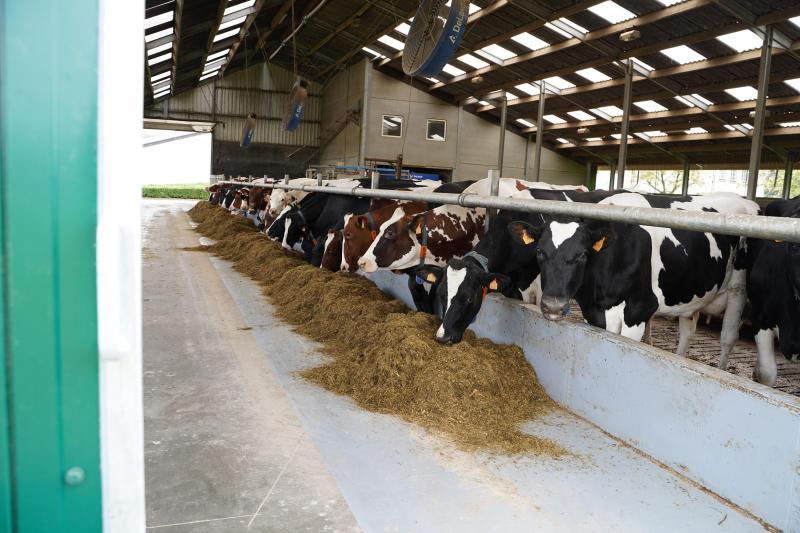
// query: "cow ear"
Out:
[521,186]
[428,274]
[602,239]
[524,233]
[497,282]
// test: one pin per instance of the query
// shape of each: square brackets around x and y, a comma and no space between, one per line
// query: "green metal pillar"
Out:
[49,410]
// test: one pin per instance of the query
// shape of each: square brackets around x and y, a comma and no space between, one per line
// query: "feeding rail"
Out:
[762,227]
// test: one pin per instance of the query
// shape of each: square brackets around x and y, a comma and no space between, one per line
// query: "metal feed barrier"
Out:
[762,227]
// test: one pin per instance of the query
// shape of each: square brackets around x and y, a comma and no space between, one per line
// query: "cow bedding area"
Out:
[383,355]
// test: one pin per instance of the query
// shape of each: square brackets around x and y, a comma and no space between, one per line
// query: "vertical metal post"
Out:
[286,179]
[456,173]
[526,161]
[758,123]
[319,179]
[787,176]
[685,183]
[622,160]
[537,163]
[494,189]
[503,117]
[364,126]
[591,175]
[611,170]
[375,181]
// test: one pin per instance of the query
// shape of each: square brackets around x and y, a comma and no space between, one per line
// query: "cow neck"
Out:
[482,260]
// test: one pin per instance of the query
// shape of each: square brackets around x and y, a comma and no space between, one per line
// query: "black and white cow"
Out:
[624,274]
[773,285]
[498,263]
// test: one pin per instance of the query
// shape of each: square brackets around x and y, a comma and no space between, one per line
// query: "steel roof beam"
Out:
[243,32]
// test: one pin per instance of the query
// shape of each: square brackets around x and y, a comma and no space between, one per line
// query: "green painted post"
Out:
[48,123]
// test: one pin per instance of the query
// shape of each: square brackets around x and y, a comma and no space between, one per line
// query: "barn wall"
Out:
[345,91]
[264,90]
[471,143]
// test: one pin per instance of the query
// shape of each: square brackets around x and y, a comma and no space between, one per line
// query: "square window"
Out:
[436,130]
[392,126]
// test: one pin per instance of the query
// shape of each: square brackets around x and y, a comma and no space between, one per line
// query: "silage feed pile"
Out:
[383,355]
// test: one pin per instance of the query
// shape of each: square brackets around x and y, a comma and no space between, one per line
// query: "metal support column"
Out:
[526,161]
[375,180]
[537,162]
[787,176]
[685,184]
[758,123]
[503,117]
[626,113]
[612,168]
[494,189]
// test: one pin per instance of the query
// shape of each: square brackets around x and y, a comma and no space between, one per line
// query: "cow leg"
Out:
[648,333]
[732,319]
[766,371]
[686,328]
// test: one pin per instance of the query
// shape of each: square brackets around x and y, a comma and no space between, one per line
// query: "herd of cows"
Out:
[620,274]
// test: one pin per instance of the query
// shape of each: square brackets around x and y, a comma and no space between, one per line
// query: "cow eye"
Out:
[582,257]
[347,236]
[539,254]
[389,234]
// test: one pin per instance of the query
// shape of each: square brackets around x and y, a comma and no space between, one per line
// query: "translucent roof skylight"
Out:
[527,88]
[562,140]
[158,20]
[554,119]
[795,21]
[453,71]
[581,115]
[474,62]
[226,34]
[741,41]
[391,42]
[743,93]
[573,25]
[160,76]
[686,102]
[511,96]
[618,136]
[642,64]
[483,102]
[794,84]
[789,124]
[402,28]
[150,37]
[593,139]
[215,55]
[612,12]
[209,75]
[373,53]
[529,41]
[239,7]
[683,54]
[655,133]
[495,53]
[746,125]
[473,8]
[558,30]
[159,59]
[525,122]
[650,106]
[612,110]
[729,127]
[434,80]
[696,129]
[159,49]
[559,82]
[231,23]
[592,74]
[670,2]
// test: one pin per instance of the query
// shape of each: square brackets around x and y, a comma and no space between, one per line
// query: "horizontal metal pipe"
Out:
[762,227]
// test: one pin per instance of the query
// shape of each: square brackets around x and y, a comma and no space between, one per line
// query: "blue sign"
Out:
[248,137]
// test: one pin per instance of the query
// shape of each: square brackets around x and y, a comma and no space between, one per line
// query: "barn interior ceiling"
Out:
[695,65]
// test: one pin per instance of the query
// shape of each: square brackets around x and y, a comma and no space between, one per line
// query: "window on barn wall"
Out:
[436,130]
[392,126]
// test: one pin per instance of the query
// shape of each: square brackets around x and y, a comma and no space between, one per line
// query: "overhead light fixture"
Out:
[630,35]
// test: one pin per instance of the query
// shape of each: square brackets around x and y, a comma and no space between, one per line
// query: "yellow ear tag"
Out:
[526,238]
[493,284]
[431,278]
[418,230]
[599,244]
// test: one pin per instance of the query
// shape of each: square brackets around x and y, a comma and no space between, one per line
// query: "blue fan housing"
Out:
[447,43]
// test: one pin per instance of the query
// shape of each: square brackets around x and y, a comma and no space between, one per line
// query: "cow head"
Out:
[332,256]
[296,228]
[276,230]
[257,199]
[462,286]
[277,202]
[564,248]
[396,246]
[358,236]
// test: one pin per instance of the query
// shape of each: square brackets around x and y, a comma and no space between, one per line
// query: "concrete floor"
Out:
[224,449]
[235,439]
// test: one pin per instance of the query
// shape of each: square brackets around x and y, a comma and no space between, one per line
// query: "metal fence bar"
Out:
[762,227]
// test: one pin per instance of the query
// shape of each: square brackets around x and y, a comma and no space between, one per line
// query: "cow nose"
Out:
[553,308]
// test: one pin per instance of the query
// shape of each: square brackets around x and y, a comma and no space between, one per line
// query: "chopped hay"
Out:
[476,392]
